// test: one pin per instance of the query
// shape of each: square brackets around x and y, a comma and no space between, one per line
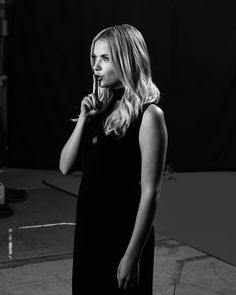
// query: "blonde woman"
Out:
[122,137]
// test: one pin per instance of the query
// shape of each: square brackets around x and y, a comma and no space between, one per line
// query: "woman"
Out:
[122,137]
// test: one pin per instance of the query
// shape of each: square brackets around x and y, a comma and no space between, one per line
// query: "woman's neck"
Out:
[118,93]
[113,99]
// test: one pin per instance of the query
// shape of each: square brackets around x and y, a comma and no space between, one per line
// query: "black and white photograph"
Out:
[117,147]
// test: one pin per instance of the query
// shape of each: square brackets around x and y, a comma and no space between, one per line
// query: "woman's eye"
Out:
[103,57]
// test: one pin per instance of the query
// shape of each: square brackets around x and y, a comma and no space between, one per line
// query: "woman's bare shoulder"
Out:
[153,113]
[153,122]
[153,128]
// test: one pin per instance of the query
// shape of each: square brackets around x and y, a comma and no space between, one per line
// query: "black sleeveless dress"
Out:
[107,205]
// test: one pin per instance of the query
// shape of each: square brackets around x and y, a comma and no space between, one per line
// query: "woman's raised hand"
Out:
[90,104]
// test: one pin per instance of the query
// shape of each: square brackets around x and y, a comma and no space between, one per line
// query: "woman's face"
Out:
[103,67]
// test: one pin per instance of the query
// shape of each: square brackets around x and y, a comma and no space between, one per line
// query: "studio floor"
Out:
[36,239]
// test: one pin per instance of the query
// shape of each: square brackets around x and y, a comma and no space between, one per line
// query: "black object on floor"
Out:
[5,211]
[14,195]
[58,188]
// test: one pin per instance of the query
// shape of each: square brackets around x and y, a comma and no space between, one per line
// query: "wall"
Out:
[191,44]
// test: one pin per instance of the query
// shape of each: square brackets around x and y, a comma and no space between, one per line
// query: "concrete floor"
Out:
[178,270]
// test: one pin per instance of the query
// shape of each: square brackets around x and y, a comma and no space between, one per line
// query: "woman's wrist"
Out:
[83,117]
[134,255]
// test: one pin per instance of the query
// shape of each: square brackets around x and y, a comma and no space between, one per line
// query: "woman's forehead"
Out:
[100,47]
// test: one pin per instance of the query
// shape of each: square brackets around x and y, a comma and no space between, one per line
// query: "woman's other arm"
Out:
[153,145]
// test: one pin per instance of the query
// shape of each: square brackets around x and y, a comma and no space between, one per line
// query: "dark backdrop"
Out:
[192,45]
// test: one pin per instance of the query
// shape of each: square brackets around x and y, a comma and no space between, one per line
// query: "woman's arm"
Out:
[70,150]
[90,106]
[153,145]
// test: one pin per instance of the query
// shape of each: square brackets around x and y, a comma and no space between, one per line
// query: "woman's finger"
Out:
[119,280]
[95,86]
[90,104]
[93,100]
[127,284]
[121,283]
[87,105]
[89,100]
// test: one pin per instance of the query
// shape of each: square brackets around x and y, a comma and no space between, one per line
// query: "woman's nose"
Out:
[97,66]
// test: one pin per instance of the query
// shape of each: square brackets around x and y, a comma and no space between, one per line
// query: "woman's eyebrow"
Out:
[102,55]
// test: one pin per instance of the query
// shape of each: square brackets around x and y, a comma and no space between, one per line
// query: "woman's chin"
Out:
[101,84]
[104,85]
[109,86]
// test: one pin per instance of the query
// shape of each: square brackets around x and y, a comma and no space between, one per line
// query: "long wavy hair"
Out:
[131,63]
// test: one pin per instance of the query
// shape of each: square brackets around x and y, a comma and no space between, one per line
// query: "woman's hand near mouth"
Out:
[91,105]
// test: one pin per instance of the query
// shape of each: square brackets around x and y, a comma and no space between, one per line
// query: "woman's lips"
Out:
[98,77]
